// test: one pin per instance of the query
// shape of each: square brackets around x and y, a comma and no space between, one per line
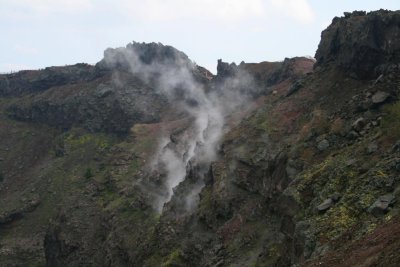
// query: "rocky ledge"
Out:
[364,44]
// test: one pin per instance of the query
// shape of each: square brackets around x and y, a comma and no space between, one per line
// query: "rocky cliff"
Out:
[365,45]
[147,159]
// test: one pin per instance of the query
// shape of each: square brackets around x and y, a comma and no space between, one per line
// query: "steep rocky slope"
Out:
[147,159]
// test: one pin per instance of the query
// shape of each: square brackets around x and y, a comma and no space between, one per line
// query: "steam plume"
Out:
[174,75]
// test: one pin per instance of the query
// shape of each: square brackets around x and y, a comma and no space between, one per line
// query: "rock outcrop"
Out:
[365,45]
[258,78]
[101,105]
[121,90]
[35,81]
[150,59]
[139,54]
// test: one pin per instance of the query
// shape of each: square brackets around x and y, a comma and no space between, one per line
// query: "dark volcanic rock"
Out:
[10,217]
[257,78]
[124,88]
[225,69]
[359,124]
[268,73]
[96,106]
[33,81]
[380,97]
[324,206]
[16,214]
[287,187]
[70,243]
[323,145]
[136,54]
[149,60]
[360,43]
[381,205]
[291,68]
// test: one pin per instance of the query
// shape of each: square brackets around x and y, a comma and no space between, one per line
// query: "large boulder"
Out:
[381,205]
[363,44]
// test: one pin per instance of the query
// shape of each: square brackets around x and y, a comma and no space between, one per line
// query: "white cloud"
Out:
[165,10]
[216,10]
[25,49]
[160,10]
[45,7]
[299,10]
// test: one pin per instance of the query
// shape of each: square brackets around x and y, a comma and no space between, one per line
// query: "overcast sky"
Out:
[39,33]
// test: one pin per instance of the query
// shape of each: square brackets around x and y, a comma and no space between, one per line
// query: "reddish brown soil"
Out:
[379,248]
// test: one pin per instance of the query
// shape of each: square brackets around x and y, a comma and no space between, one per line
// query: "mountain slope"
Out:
[147,159]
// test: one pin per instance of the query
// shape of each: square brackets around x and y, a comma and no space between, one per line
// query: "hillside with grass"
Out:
[147,159]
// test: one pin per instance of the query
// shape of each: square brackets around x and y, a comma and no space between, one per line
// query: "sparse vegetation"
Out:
[174,259]
[391,121]
[88,173]
[80,152]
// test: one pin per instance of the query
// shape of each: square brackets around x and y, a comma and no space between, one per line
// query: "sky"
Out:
[39,33]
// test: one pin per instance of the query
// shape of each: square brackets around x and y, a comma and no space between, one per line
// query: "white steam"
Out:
[197,144]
